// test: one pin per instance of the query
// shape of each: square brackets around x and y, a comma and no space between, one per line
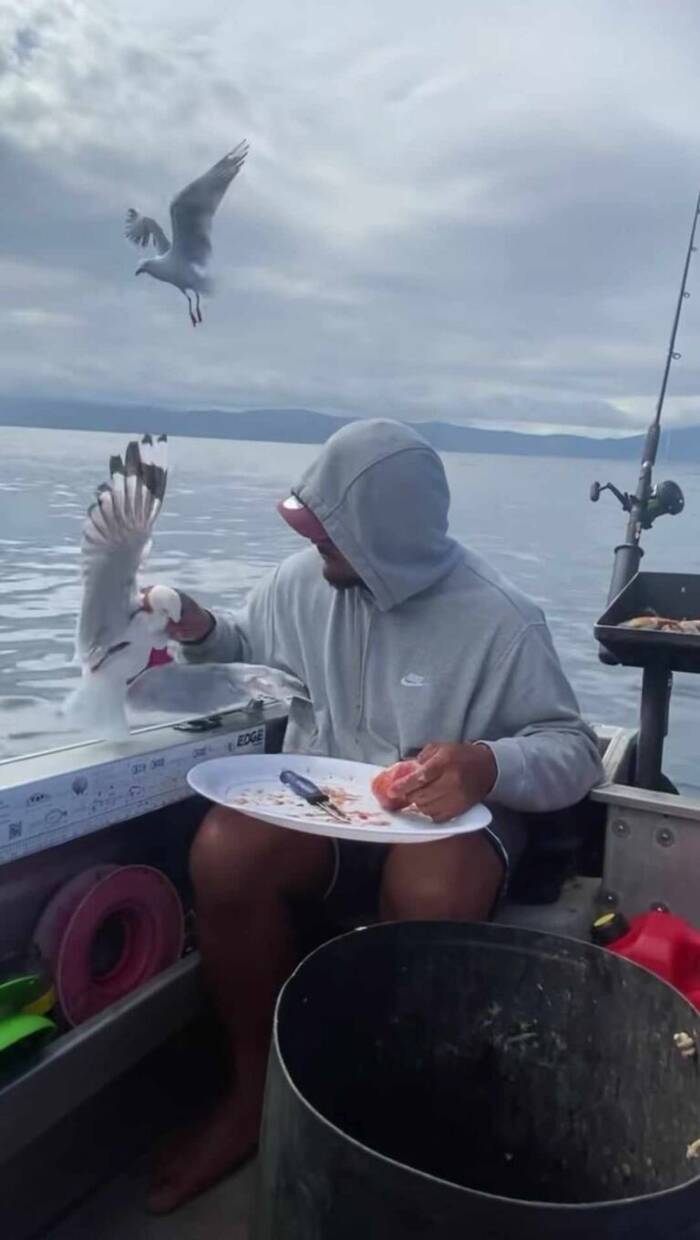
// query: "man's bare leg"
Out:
[456,879]
[245,874]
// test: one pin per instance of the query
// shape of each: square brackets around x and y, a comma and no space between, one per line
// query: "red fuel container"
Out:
[662,943]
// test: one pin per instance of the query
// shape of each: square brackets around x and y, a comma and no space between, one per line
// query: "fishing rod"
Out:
[648,501]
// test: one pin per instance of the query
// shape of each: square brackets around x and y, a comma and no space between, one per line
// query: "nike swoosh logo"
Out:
[413,681]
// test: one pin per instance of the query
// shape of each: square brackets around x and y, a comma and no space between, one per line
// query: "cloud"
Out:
[480,218]
[34,316]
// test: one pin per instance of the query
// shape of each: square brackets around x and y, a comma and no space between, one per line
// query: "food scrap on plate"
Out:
[271,798]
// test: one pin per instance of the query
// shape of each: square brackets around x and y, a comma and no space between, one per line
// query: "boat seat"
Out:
[571,842]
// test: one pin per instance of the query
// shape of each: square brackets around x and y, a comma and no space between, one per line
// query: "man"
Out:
[406,643]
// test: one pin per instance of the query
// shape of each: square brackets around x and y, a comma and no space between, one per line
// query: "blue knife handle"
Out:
[303,787]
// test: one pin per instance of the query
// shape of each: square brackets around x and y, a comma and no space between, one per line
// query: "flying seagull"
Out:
[116,633]
[183,263]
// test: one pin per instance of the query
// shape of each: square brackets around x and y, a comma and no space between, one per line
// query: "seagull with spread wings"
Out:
[184,262]
[122,627]
[116,631]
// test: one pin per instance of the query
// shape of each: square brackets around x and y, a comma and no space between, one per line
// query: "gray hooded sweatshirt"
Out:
[436,646]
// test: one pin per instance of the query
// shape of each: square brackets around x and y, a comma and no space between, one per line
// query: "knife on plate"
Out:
[313,795]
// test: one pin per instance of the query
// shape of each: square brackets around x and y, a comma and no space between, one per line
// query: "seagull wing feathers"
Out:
[116,539]
[192,210]
[143,230]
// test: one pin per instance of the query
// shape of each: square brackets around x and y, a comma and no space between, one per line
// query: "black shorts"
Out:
[353,891]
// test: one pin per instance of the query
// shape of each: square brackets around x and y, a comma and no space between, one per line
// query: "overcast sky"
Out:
[474,210]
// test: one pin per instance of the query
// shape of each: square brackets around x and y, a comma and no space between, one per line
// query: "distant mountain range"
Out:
[309,426]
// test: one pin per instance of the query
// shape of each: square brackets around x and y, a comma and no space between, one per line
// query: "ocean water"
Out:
[219,533]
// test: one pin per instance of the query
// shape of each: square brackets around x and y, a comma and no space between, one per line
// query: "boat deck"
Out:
[117,1212]
[652,856]
[117,1209]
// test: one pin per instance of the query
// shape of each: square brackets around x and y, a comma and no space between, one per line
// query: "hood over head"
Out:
[381,494]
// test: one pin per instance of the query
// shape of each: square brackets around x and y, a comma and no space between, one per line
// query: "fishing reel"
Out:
[665,497]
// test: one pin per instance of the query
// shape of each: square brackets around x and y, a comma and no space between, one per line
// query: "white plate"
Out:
[252,785]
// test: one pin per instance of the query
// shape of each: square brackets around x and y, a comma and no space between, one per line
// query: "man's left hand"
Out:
[452,778]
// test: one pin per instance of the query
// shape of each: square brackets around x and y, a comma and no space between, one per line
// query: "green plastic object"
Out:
[16,1029]
[19,992]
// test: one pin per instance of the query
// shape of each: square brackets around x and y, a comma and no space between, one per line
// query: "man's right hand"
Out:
[194,624]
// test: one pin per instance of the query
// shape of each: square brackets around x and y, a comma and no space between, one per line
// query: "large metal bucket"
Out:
[445,1081]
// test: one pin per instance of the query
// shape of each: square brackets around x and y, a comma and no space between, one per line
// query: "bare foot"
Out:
[206,1153]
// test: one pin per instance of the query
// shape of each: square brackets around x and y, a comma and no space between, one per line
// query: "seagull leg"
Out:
[189,303]
[199,312]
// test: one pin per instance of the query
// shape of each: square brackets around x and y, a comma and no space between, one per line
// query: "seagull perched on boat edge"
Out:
[183,263]
[116,632]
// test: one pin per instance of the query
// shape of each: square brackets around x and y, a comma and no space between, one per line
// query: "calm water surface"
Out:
[219,533]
